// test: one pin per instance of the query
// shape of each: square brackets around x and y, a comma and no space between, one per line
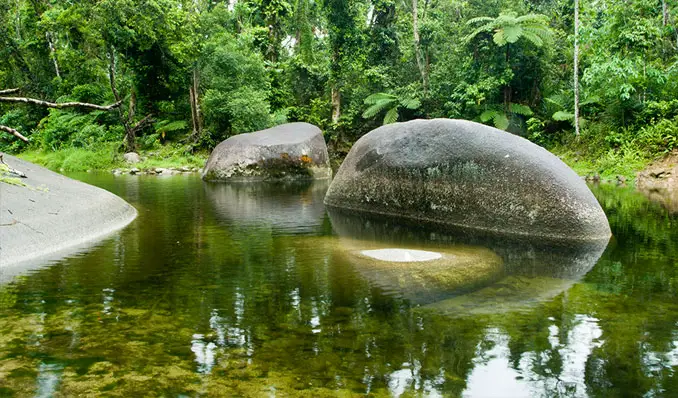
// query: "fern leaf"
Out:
[563,116]
[520,109]
[391,116]
[410,103]
[377,108]
[478,19]
[377,97]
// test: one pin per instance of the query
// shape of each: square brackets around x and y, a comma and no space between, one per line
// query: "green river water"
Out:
[256,291]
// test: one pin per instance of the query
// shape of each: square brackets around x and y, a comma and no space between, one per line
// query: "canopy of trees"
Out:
[197,71]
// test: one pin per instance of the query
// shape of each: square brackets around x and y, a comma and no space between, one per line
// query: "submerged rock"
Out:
[476,273]
[48,213]
[413,267]
[288,151]
[458,173]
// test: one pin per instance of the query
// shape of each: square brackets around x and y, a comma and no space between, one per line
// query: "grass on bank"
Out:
[108,158]
[608,166]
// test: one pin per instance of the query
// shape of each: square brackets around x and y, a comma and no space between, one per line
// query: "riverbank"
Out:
[610,167]
[108,159]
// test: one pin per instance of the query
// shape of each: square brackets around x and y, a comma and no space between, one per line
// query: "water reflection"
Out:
[531,271]
[189,302]
[293,207]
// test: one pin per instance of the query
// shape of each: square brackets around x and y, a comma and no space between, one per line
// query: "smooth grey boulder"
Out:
[47,213]
[132,157]
[286,152]
[458,173]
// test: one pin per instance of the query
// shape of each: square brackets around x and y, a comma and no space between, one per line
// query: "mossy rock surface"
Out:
[292,151]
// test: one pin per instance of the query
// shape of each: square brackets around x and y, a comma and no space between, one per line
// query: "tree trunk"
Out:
[336,105]
[576,68]
[421,64]
[130,138]
[52,51]
[194,95]
[665,13]
[131,112]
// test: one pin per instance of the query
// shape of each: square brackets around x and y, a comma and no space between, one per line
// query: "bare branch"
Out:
[143,123]
[13,132]
[62,104]
[9,91]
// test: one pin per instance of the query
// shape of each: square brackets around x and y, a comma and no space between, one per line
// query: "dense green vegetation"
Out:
[191,73]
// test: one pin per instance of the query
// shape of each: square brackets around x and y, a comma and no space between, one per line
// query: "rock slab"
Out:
[47,213]
[458,173]
[287,152]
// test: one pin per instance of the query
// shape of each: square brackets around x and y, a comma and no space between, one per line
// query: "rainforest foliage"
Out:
[193,72]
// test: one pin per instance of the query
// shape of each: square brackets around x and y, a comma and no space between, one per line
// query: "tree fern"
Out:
[390,103]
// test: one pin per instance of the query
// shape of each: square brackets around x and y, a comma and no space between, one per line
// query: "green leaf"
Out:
[377,108]
[563,116]
[499,38]
[391,116]
[378,97]
[512,33]
[478,19]
[410,103]
[520,109]
[501,121]
[488,115]
[166,126]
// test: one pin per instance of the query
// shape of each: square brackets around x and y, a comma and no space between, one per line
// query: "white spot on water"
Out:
[401,255]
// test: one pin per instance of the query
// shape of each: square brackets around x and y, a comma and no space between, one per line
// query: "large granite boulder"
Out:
[46,214]
[458,173]
[289,151]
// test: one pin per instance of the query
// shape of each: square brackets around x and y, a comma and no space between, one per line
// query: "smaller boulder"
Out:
[132,157]
[291,151]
